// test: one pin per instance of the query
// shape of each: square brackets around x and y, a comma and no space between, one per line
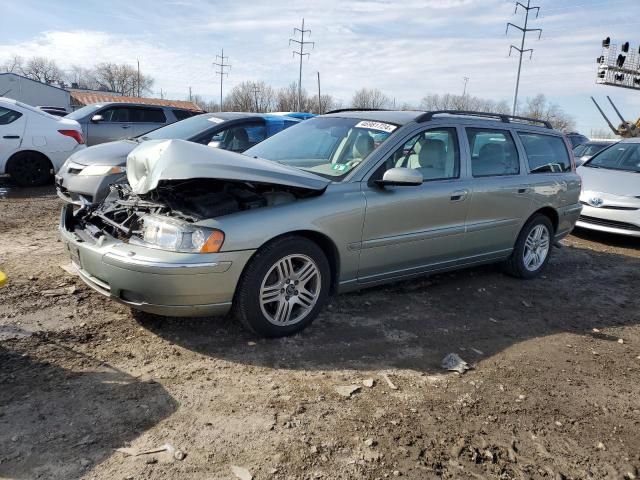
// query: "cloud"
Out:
[407,49]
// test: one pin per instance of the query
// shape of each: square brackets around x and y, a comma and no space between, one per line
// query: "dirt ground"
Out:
[554,392]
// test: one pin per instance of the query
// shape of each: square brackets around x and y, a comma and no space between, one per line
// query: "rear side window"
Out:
[256,134]
[545,154]
[493,152]
[182,114]
[148,115]
[8,116]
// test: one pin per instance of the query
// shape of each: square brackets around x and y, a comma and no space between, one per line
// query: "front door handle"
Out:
[459,195]
[11,136]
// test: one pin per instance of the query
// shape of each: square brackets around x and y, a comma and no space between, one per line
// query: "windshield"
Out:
[83,112]
[590,150]
[184,129]
[621,156]
[327,146]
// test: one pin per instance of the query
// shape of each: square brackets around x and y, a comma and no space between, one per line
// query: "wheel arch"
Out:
[12,158]
[549,212]
[325,243]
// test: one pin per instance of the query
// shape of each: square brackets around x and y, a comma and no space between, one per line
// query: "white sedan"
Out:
[610,195]
[34,144]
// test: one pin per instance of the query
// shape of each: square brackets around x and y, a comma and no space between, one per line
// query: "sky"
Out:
[406,48]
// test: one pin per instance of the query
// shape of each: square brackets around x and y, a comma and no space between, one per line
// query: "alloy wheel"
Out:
[536,248]
[290,290]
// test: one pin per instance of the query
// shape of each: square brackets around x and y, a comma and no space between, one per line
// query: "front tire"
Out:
[283,288]
[29,169]
[532,249]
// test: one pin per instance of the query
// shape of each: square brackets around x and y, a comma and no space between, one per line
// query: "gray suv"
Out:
[106,122]
[336,203]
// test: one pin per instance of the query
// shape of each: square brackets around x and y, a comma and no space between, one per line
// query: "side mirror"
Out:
[97,118]
[214,144]
[401,176]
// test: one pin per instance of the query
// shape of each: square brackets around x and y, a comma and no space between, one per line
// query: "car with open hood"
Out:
[86,177]
[611,190]
[336,203]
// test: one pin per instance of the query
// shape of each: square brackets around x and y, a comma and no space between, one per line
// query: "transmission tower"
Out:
[220,63]
[301,53]
[522,50]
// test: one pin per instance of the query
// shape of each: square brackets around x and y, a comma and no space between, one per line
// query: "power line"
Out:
[521,50]
[221,65]
[301,53]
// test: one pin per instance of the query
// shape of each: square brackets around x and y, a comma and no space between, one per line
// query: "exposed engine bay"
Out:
[121,214]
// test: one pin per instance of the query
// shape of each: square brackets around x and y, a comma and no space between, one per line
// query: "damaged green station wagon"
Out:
[340,202]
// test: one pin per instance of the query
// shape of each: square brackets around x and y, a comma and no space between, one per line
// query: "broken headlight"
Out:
[175,235]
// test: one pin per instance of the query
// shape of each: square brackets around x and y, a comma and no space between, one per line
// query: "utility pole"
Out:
[138,77]
[301,53]
[521,50]
[319,97]
[221,65]
[189,93]
[256,89]
[464,90]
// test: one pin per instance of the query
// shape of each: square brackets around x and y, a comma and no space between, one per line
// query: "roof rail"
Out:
[425,117]
[340,110]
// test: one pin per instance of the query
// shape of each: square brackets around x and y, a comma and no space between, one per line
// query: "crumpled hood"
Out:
[111,153]
[623,184]
[157,160]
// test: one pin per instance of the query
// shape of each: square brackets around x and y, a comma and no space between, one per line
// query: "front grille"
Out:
[610,207]
[609,223]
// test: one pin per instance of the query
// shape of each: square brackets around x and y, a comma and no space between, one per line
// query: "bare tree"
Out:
[206,105]
[122,79]
[463,102]
[287,99]
[43,70]
[540,108]
[80,77]
[250,97]
[367,98]
[13,65]
[327,103]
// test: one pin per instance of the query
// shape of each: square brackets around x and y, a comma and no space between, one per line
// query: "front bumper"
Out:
[94,188]
[620,222]
[155,281]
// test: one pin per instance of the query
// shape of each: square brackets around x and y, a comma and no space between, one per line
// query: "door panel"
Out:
[409,228]
[501,196]
[115,125]
[12,127]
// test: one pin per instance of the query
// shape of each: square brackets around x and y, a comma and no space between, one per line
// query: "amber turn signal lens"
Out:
[213,243]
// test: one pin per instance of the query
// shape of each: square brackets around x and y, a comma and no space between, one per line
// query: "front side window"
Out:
[116,115]
[493,152]
[434,153]
[545,153]
[622,156]
[328,146]
[8,116]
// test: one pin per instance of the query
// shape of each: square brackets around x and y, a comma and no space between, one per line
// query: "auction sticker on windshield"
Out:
[384,127]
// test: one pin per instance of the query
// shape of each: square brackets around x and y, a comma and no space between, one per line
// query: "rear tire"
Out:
[30,169]
[532,249]
[283,288]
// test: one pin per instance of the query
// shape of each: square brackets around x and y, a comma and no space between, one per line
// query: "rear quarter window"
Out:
[182,114]
[545,153]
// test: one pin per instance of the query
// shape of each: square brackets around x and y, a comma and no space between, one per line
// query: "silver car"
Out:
[109,121]
[611,190]
[336,203]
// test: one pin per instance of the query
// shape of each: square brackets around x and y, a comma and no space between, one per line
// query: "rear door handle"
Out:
[459,195]
[11,136]
[522,190]
[125,126]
